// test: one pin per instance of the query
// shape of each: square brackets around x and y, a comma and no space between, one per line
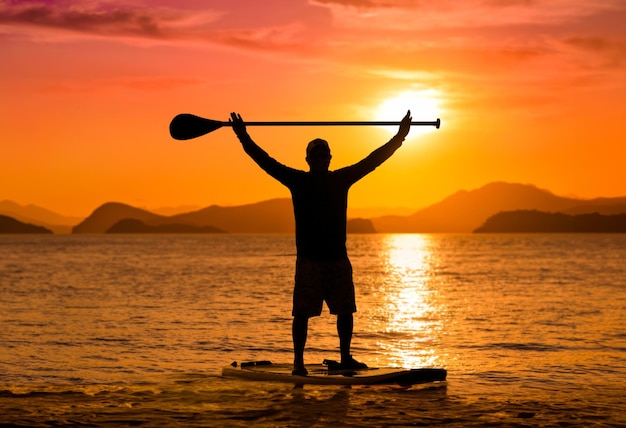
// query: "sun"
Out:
[425,105]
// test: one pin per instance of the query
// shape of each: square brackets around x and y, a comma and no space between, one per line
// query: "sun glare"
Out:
[412,310]
[425,105]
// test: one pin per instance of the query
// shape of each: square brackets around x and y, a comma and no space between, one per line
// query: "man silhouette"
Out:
[320,198]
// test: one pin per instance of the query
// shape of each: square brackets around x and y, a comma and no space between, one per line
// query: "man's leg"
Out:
[345,325]
[299,329]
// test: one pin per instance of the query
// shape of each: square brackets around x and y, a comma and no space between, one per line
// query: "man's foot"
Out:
[300,371]
[352,364]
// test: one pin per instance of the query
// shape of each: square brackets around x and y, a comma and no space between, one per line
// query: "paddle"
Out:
[186,126]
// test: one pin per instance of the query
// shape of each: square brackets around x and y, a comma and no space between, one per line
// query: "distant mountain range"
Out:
[273,216]
[40,216]
[465,210]
[462,212]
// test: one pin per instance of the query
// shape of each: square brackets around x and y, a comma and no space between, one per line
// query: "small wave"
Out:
[535,347]
[529,347]
[110,339]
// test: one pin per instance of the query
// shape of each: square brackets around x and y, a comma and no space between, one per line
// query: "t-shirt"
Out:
[320,199]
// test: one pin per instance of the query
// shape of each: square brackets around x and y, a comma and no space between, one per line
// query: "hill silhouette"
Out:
[131,225]
[11,225]
[360,225]
[606,206]
[465,210]
[271,216]
[533,221]
[105,216]
[40,216]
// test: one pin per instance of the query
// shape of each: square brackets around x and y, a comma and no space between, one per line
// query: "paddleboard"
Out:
[320,374]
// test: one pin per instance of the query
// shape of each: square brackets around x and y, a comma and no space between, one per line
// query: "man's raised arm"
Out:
[249,146]
[260,156]
[384,152]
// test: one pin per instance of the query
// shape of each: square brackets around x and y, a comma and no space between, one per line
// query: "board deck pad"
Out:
[321,375]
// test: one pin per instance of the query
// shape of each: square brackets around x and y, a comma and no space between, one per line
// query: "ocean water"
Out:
[132,330]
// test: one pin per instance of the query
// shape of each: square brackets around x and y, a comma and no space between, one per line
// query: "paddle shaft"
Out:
[435,123]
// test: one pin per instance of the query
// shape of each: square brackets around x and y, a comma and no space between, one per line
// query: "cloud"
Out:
[421,15]
[370,4]
[288,37]
[598,44]
[141,24]
[146,84]
[611,51]
[101,19]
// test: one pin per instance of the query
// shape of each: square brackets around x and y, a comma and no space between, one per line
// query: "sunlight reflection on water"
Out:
[408,308]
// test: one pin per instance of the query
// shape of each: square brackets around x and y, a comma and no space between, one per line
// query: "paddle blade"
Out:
[186,126]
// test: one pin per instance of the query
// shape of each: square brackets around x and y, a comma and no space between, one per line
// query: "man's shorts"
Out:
[323,280]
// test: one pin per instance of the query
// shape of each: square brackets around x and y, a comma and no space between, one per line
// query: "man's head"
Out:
[318,155]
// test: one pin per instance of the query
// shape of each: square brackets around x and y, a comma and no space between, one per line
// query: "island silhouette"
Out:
[11,225]
[533,221]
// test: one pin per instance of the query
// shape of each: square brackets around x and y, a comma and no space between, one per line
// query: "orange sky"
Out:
[529,91]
